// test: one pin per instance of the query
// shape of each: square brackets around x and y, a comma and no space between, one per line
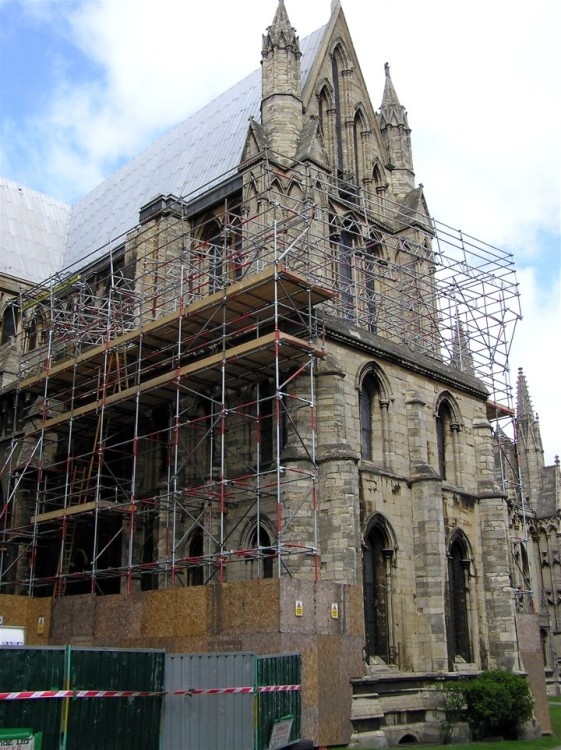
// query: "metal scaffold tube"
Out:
[170,431]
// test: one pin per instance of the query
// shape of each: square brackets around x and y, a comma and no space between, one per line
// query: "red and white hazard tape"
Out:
[211,691]
[34,694]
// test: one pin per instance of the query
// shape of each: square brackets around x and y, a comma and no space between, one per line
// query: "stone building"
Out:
[260,416]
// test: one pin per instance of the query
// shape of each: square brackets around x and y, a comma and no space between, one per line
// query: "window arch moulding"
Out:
[374,396]
[259,536]
[448,425]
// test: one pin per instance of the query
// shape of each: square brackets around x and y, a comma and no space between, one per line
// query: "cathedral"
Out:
[254,397]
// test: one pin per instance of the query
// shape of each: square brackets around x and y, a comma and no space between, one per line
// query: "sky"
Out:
[87,84]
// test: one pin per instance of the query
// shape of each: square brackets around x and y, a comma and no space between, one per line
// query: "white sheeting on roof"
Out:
[33,229]
[184,162]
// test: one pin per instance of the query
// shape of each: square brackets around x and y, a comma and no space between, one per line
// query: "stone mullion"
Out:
[388,561]
[384,404]
[455,432]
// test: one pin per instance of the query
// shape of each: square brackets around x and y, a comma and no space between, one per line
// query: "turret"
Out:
[396,135]
[281,104]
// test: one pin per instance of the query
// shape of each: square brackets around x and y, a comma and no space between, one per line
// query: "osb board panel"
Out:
[335,693]
[326,691]
[311,709]
[356,608]
[305,645]
[119,617]
[308,607]
[247,606]
[533,664]
[194,645]
[226,643]
[177,613]
[73,620]
[24,612]
[332,617]
[298,606]
[258,643]
[352,656]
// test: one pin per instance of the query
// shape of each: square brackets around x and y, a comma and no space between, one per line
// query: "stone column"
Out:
[499,614]
[338,491]
[455,431]
[429,544]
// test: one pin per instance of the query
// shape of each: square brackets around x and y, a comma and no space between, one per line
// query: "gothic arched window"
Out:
[10,320]
[338,65]
[348,240]
[447,430]
[326,116]
[367,268]
[377,177]
[258,546]
[359,134]
[458,602]
[211,245]
[373,411]
[368,393]
[195,571]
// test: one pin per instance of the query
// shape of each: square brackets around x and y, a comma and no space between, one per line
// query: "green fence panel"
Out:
[92,723]
[30,668]
[284,669]
[102,723]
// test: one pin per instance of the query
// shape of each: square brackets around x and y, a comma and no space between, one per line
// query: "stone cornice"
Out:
[345,332]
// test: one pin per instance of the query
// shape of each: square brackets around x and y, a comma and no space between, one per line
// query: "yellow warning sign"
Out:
[335,611]
[299,609]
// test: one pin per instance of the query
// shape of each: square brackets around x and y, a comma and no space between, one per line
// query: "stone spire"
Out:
[530,448]
[280,33]
[281,102]
[392,112]
[396,134]
[527,419]
[462,358]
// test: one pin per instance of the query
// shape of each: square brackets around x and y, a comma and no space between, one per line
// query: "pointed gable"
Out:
[414,210]
[256,141]
[311,145]
[337,44]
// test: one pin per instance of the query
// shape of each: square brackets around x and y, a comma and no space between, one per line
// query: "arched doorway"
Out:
[378,561]
[458,610]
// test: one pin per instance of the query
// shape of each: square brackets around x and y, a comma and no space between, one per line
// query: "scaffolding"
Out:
[163,428]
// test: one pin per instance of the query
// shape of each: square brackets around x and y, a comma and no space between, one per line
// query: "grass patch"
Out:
[542,743]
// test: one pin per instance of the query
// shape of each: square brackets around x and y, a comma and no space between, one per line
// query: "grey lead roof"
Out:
[40,235]
[33,228]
